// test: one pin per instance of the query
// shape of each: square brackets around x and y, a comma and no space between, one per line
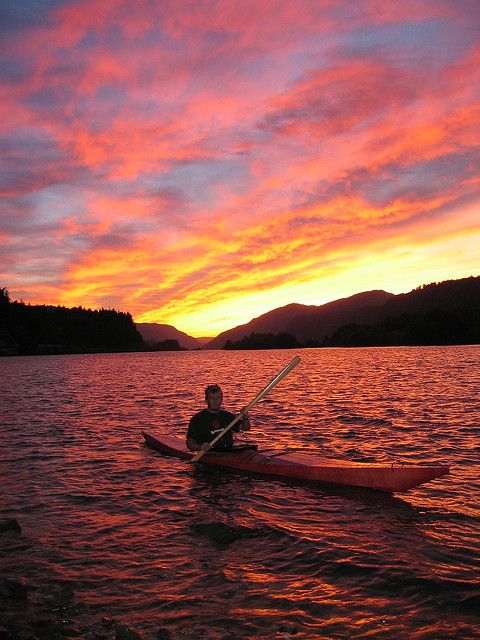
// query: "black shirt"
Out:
[205,425]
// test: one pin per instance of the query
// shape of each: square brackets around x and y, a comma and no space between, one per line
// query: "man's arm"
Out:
[192,434]
[245,423]
[193,445]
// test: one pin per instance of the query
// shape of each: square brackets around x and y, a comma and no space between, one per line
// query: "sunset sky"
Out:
[200,163]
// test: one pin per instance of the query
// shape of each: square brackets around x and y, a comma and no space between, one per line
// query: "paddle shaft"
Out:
[258,397]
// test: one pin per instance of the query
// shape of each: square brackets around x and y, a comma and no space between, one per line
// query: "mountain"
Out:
[449,295]
[315,323]
[308,322]
[444,313]
[321,321]
[154,332]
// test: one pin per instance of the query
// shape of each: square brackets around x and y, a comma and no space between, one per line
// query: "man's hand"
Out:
[245,424]
[193,445]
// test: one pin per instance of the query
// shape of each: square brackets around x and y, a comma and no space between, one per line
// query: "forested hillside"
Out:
[39,329]
[438,313]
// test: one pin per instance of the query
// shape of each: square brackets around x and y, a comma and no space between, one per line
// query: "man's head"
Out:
[213,397]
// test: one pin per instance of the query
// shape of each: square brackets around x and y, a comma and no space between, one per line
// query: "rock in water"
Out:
[10,526]
[222,533]
[4,634]
[123,632]
[13,589]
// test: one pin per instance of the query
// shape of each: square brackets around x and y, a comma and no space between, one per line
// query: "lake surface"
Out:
[112,525]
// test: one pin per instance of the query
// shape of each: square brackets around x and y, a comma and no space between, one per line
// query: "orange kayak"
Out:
[382,476]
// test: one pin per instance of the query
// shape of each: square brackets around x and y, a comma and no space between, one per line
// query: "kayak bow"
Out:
[382,476]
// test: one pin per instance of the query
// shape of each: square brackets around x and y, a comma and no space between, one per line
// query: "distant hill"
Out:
[154,332]
[435,314]
[448,295]
[319,324]
[307,322]
[43,329]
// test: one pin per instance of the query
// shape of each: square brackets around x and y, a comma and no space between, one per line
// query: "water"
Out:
[110,524]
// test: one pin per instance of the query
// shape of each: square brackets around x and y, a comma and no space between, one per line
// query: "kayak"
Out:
[382,476]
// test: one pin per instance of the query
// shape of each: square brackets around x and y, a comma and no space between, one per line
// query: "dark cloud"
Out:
[118,238]
[13,70]
[170,202]
[422,180]
[32,160]
[21,14]
[337,98]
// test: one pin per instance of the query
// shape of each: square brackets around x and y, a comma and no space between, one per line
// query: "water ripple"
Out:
[132,533]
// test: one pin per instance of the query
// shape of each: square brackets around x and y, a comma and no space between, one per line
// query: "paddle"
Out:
[262,393]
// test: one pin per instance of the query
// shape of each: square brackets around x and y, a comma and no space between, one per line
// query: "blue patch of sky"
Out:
[113,38]
[423,179]
[111,99]
[29,144]
[197,180]
[31,157]
[218,38]
[13,70]
[316,52]
[21,14]
[15,214]
[66,68]
[107,102]
[25,215]
[43,100]
[155,36]
[436,42]
[56,202]
[89,40]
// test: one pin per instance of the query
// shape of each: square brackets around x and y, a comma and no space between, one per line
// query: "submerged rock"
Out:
[58,598]
[13,589]
[10,526]
[123,632]
[46,627]
[288,629]
[11,548]
[223,533]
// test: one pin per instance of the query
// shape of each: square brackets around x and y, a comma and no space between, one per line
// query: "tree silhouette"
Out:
[41,329]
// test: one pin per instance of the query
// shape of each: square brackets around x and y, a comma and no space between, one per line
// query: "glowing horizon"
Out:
[199,165]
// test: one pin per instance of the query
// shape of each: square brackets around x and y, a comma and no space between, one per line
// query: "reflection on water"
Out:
[119,523]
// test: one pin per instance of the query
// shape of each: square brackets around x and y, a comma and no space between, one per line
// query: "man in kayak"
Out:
[209,422]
